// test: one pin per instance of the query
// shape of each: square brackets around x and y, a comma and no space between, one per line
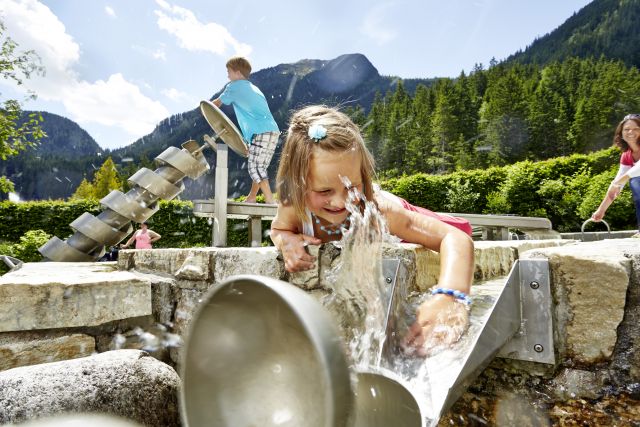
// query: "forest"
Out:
[499,116]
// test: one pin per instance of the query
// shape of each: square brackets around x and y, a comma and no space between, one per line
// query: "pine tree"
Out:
[106,179]
[85,190]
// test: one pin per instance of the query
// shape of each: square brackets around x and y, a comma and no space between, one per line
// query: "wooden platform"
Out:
[492,227]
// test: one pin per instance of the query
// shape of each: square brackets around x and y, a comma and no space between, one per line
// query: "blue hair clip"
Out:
[317,132]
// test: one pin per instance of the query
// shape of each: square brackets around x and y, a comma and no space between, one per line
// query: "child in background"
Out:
[323,150]
[257,125]
[144,237]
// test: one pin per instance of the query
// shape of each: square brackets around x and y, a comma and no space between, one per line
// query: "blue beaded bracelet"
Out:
[460,296]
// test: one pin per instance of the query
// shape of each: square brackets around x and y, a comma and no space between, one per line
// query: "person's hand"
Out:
[440,322]
[123,246]
[294,251]
[598,215]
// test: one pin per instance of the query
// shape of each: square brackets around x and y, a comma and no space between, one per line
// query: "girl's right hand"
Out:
[294,251]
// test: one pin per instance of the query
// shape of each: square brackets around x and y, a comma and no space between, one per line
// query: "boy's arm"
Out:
[217,102]
[286,236]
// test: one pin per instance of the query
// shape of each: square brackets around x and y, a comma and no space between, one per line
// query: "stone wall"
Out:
[58,311]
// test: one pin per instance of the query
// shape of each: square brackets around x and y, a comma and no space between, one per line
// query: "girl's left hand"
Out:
[440,322]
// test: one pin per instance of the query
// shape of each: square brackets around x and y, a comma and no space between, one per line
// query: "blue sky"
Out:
[118,67]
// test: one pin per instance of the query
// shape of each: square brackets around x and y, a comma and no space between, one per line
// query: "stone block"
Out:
[234,261]
[589,284]
[32,348]
[51,295]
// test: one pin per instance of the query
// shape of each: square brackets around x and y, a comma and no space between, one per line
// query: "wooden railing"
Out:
[493,227]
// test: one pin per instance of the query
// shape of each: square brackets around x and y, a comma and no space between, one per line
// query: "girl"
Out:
[323,151]
[627,138]
[143,237]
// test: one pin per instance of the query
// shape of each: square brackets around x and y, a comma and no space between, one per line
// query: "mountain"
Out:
[56,165]
[606,28]
[64,138]
[348,80]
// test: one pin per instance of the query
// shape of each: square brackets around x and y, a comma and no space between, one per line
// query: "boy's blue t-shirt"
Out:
[251,108]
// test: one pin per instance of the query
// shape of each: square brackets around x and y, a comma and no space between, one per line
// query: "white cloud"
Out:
[113,102]
[174,94]
[194,35]
[373,26]
[109,11]
[160,54]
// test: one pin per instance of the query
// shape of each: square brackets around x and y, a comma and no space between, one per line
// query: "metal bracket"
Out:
[533,342]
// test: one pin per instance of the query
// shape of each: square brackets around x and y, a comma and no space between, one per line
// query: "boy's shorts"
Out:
[261,151]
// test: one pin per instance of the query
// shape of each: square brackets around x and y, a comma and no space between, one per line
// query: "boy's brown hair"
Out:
[239,63]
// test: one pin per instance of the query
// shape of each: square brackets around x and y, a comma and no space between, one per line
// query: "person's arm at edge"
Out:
[613,191]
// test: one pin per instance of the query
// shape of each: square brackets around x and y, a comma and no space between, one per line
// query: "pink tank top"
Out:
[143,241]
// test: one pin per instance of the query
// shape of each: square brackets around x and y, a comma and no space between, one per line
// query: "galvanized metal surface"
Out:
[382,399]
[533,342]
[113,224]
[261,352]
[224,128]
[584,224]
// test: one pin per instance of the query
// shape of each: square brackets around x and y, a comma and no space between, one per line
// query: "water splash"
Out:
[358,282]
[160,339]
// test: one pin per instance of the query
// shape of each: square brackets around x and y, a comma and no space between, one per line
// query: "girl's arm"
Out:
[441,319]
[133,237]
[154,236]
[286,236]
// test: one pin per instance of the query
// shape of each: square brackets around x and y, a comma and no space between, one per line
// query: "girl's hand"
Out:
[294,251]
[440,322]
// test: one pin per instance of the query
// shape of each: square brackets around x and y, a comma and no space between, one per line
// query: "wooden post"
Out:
[219,228]
[255,231]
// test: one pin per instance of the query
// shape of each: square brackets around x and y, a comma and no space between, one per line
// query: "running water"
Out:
[358,283]
[358,288]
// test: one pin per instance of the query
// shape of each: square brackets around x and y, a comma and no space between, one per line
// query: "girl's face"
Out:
[631,133]
[326,190]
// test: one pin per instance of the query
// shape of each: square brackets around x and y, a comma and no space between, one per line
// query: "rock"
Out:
[125,383]
[589,285]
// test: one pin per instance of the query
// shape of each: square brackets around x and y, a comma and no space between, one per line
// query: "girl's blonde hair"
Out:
[342,135]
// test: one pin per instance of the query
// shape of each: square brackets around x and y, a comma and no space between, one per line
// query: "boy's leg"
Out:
[251,198]
[260,154]
[266,190]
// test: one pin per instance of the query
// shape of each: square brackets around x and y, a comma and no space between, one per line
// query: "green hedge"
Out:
[174,221]
[566,190]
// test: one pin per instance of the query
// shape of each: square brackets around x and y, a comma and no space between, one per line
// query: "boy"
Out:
[257,125]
